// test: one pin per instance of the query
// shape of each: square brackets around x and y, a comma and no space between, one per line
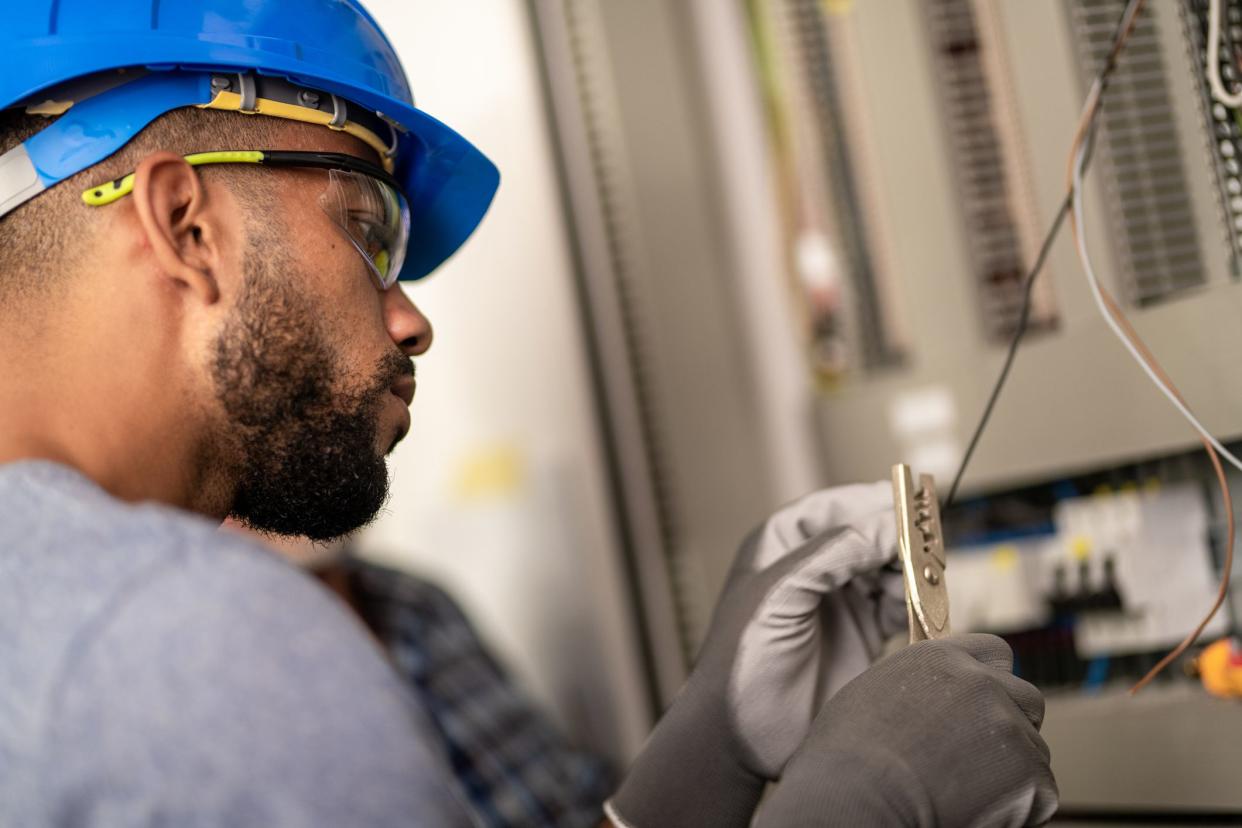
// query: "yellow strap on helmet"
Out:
[232,102]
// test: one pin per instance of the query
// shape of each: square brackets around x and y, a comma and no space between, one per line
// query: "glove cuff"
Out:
[687,775]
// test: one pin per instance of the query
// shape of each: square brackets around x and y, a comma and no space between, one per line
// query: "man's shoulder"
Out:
[198,666]
[234,669]
[144,579]
[219,627]
[75,556]
[150,589]
[52,515]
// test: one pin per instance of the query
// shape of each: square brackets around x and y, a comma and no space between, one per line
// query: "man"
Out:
[204,208]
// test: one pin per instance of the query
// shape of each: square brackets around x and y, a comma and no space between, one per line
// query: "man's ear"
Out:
[172,210]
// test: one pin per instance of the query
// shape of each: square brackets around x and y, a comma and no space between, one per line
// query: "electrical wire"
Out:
[1124,26]
[1230,99]
[1111,318]
[1023,319]
[1124,331]
[1080,153]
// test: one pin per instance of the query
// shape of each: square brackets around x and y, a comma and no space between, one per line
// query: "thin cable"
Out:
[1124,27]
[1117,319]
[1121,326]
[1097,294]
[1230,99]
[1018,333]
[1227,505]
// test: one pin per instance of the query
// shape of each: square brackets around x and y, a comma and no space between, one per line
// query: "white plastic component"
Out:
[19,181]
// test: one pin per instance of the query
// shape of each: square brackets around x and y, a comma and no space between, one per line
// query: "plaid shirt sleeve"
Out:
[513,765]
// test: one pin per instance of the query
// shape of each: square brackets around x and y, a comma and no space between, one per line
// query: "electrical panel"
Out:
[866,184]
[972,106]
[1092,580]
[1065,543]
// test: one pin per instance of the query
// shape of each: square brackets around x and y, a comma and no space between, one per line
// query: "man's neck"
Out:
[123,439]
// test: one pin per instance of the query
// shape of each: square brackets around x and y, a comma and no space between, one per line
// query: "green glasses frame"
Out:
[111,191]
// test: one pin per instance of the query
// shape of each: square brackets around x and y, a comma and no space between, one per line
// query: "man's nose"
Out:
[405,322]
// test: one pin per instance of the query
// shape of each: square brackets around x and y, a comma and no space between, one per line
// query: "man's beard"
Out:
[303,439]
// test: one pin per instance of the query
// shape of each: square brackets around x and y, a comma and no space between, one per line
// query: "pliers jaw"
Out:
[920,547]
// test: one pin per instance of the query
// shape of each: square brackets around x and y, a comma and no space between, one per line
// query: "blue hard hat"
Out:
[134,60]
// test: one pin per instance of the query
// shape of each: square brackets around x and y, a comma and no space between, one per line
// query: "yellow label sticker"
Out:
[491,471]
[1005,557]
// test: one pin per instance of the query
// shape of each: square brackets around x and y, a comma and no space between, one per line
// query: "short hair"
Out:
[40,238]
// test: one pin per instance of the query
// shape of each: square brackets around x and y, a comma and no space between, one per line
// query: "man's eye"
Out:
[365,225]
[367,230]
[364,218]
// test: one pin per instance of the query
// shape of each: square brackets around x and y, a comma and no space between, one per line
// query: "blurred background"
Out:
[743,249]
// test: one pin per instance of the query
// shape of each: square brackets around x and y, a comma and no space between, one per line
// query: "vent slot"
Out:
[1148,198]
[997,219]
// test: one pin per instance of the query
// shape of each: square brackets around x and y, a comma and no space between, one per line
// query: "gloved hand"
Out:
[805,609]
[940,733]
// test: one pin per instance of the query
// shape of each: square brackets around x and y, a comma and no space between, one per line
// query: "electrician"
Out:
[205,208]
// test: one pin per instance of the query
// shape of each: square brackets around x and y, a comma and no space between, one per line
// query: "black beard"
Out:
[305,451]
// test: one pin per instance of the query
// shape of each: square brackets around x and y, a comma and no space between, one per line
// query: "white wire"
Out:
[1080,242]
[1231,100]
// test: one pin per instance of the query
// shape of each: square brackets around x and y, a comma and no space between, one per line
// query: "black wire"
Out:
[1109,65]
[1013,347]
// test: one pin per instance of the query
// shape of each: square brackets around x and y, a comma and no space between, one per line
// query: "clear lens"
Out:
[374,217]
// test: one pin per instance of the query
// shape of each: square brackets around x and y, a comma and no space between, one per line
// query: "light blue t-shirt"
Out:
[154,671]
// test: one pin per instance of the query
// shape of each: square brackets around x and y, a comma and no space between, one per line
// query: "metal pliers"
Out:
[920,546]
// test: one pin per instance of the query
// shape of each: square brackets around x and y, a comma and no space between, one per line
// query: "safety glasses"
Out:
[363,200]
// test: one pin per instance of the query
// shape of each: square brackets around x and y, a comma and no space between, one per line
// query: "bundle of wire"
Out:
[1125,332]
[1080,151]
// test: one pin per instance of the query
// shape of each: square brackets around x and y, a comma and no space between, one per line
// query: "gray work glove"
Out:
[940,733]
[806,608]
